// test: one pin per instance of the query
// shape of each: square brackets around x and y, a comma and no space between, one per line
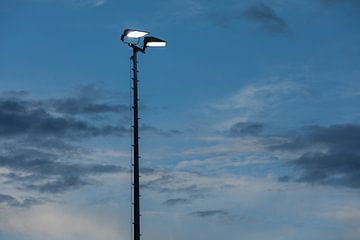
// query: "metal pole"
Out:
[136,147]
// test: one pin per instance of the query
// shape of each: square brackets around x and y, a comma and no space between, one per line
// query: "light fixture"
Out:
[154,42]
[133,33]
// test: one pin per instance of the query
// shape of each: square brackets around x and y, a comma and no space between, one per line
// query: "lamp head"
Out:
[133,33]
[154,42]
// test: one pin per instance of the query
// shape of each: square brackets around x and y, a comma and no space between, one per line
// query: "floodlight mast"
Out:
[139,35]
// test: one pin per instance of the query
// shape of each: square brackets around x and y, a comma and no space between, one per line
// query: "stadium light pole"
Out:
[138,41]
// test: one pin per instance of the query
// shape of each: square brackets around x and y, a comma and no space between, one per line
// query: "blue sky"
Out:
[249,120]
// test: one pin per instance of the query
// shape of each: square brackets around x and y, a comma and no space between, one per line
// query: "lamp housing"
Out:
[154,42]
[133,33]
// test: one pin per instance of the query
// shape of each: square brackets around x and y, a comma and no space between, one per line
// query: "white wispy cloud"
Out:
[345,215]
[52,221]
[256,97]
[217,163]
[99,2]
[107,154]
[229,146]
[77,3]
[350,213]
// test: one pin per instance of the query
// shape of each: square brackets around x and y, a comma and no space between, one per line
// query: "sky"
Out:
[250,121]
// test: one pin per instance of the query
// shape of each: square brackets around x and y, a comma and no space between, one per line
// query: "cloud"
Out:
[245,129]
[284,178]
[161,132]
[44,172]
[78,3]
[99,3]
[8,200]
[176,201]
[192,185]
[331,155]
[51,221]
[265,16]
[210,213]
[231,13]
[257,97]
[347,215]
[230,146]
[258,13]
[169,181]
[228,163]
[21,117]
[40,139]
[173,183]
[85,106]
[15,94]
[63,184]
[65,118]
[87,99]
[13,202]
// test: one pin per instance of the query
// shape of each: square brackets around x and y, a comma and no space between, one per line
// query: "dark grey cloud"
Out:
[85,106]
[60,185]
[7,199]
[210,213]
[62,118]
[284,178]
[176,201]
[332,155]
[245,129]
[260,14]
[334,168]
[37,139]
[16,94]
[13,202]
[40,165]
[46,172]
[342,137]
[48,143]
[40,138]
[20,117]
[266,16]
[89,99]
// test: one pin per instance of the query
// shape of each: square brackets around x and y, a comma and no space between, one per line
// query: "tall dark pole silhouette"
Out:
[146,42]
[136,146]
